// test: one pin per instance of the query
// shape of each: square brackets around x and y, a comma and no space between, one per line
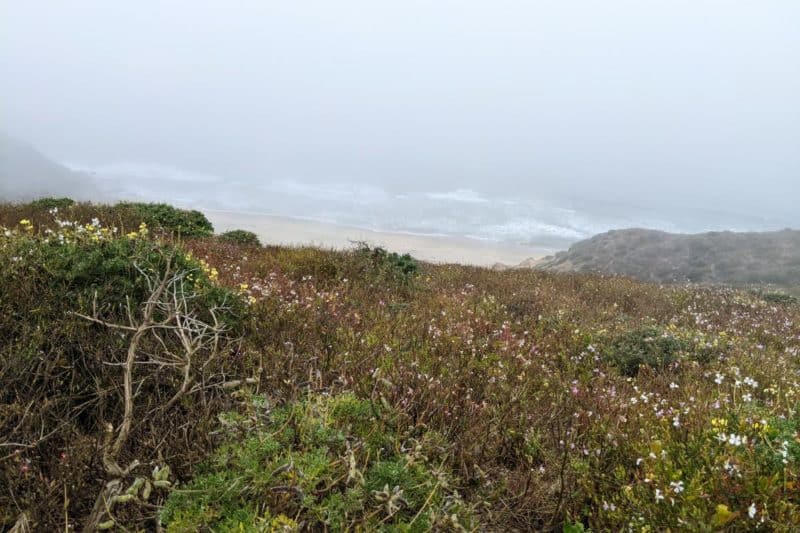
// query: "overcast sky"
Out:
[684,102]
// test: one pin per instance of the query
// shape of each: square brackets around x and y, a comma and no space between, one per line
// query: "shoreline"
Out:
[288,231]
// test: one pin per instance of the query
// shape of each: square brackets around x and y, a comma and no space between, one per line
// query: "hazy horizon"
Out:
[613,111]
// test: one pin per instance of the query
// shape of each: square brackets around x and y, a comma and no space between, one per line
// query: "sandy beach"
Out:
[438,249]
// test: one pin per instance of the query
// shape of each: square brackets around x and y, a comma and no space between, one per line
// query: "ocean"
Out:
[464,212]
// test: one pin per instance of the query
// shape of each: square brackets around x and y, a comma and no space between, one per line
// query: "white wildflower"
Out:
[784,452]
[737,440]
[609,506]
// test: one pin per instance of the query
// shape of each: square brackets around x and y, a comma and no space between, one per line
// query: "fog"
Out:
[592,107]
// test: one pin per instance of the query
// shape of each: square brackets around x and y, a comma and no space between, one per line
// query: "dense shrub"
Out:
[371,267]
[50,203]
[389,264]
[184,222]
[330,463]
[240,236]
[779,298]
[504,382]
[60,373]
[647,346]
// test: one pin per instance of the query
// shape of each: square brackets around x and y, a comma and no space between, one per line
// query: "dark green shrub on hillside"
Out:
[784,431]
[61,373]
[779,298]
[646,346]
[187,223]
[50,203]
[405,264]
[390,264]
[331,463]
[240,236]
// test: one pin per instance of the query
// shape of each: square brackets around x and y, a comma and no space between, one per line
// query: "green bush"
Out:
[780,445]
[240,236]
[59,372]
[646,346]
[333,463]
[779,298]
[50,203]
[390,264]
[187,223]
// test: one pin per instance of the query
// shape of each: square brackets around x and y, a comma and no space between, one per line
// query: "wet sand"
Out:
[438,249]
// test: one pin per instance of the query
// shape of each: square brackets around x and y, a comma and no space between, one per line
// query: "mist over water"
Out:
[521,219]
[509,120]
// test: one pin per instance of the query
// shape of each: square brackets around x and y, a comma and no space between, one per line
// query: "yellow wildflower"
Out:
[283,523]
[723,515]
[761,427]
[656,446]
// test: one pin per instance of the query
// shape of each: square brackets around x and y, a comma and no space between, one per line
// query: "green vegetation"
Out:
[240,236]
[51,203]
[647,346]
[779,298]
[389,264]
[187,223]
[125,216]
[75,302]
[148,379]
[326,461]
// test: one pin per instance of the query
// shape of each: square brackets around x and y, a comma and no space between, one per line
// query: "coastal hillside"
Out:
[26,173]
[155,376]
[715,257]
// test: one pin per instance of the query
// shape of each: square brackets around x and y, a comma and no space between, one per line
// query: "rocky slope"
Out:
[715,257]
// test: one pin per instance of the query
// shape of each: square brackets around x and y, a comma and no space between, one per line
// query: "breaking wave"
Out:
[461,212]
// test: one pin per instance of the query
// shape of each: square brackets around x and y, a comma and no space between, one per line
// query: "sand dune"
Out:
[439,249]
